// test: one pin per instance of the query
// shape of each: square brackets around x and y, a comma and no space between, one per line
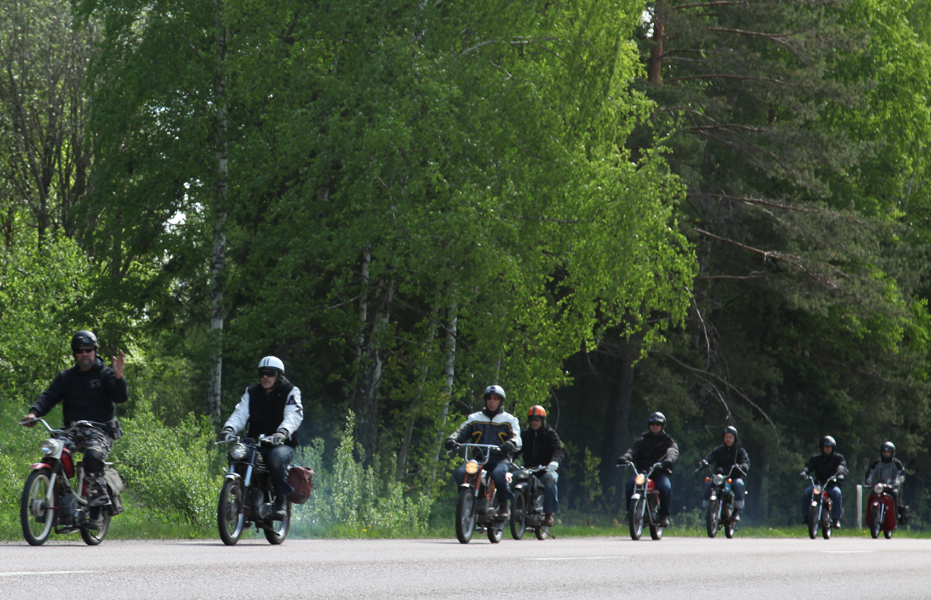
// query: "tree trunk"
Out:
[218,251]
[655,65]
[449,372]
[617,422]
[365,397]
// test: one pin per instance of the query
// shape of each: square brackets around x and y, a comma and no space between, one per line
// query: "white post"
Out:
[859,506]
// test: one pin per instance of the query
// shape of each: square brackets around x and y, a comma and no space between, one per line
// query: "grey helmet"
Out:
[83,339]
[887,447]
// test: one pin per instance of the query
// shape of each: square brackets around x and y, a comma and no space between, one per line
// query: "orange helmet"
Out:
[536,411]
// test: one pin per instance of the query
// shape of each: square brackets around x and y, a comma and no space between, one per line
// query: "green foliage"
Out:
[170,471]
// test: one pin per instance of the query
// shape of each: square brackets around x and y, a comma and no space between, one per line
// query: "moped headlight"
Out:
[472,467]
[523,474]
[238,451]
[718,479]
[878,488]
[51,447]
[640,479]
[816,490]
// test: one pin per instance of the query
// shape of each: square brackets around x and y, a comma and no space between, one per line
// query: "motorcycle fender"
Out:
[635,497]
[713,497]
[233,476]
[39,465]
[465,485]
[521,486]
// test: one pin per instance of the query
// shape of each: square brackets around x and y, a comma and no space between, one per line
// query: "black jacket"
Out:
[823,467]
[650,449]
[541,446]
[724,458]
[266,410]
[90,395]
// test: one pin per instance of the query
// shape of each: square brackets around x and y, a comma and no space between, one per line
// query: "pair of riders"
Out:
[538,443]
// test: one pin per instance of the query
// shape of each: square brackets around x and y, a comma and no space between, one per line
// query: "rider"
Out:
[88,391]
[888,469]
[541,446]
[491,426]
[725,456]
[273,408]
[824,465]
[654,446]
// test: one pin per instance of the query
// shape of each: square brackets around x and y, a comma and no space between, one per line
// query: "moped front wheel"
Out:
[814,521]
[35,514]
[230,512]
[519,515]
[636,520]
[711,518]
[876,522]
[465,515]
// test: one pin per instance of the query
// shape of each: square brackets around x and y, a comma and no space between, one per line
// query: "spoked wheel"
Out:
[656,532]
[711,518]
[279,529]
[826,525]
[230,515]
[35,514]
[888,534]
[814,519]
[465,515]
[519,515]
[92,537]
[875,523]
[636,520]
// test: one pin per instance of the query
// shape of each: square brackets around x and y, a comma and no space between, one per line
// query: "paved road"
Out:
[583,568]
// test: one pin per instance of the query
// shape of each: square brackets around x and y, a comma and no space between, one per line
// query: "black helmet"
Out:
[657,417]
[887,447]
[828,441]
[83,339]
[731,430]
[495,389]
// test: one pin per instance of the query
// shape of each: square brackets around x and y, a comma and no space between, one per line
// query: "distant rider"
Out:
[654,446]
[491,425]
[542,446]
[272,408]
[88,391]
[724,457]
[888,469]
[824,465]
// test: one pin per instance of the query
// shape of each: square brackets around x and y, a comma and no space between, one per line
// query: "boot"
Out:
[280,509]
[504,511]
[93,519]
[548,520]
[735,515]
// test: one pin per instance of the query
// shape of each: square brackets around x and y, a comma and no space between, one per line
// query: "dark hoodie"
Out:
[90,395]
[723,458]
[650,449]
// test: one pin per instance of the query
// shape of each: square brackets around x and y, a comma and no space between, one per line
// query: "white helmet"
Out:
[272,362]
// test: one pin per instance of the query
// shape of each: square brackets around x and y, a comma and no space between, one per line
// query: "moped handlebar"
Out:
[74,425]
[485,455]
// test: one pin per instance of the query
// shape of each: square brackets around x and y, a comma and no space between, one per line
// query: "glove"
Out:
[506,447]
[279,437]
[840,479]
[552,466]
[227,434]
[702,464]
[803,475]
[667,464]
[451,444]
[622,462]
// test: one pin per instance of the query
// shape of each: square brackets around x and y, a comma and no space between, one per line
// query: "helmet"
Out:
[83,339]
[537,411]
[828,441]
[657,417]
[272,362]
[887,447]
[494,389]
[731,430]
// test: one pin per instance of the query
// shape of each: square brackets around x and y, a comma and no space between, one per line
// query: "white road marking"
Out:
[577,558]
[847,551]
[20,573]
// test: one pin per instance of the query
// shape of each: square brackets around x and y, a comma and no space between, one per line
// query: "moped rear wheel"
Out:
[465,515]
[35,515]
[814,521]
[230,515]
[495,531]
[636,520]
[92,537]
[711,518]
[279,529]
[519,515]
[888,534]
[826,524]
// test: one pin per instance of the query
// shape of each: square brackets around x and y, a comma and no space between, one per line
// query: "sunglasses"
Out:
[536,418]
[83,350]
[268,373]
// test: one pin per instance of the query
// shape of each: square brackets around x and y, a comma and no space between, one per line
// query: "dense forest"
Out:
[720,210]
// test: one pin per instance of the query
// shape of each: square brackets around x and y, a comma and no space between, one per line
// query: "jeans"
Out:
[498,470]
[663,486]
[277,459]
[550,493]
[737,486]
[834,493]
